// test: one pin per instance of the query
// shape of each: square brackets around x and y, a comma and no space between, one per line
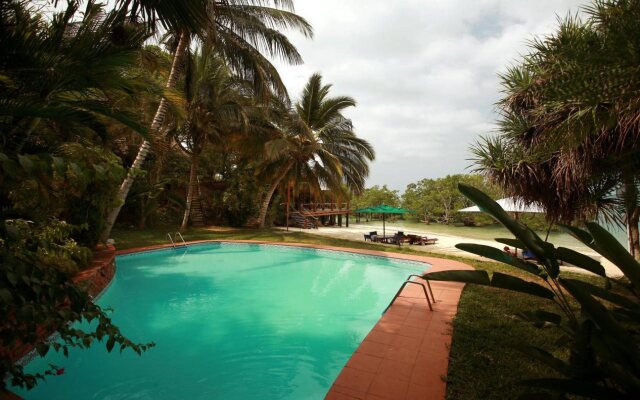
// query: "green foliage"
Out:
[66,82]
[65,78]
[439,199]
[241,198]
[375,196]
[598,325]
[76,184]
[569,121]
[37,295]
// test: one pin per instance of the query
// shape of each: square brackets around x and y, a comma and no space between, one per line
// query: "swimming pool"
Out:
[231,321]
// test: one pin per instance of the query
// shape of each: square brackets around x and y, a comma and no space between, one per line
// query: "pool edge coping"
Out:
[388,364]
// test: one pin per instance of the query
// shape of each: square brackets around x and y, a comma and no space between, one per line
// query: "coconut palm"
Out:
[218,105]
[240,31]
[317,145]
[571,120]
[67,78]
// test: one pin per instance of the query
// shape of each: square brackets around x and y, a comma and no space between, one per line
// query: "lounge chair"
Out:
[421,240]
[399,238]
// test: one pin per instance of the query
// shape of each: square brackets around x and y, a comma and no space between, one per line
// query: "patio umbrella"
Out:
[384,210]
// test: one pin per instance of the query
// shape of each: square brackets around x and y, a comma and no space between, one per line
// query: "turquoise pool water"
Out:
[231,321]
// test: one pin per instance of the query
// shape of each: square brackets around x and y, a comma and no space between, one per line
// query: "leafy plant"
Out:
[75,183]
[599,325]
[37,298]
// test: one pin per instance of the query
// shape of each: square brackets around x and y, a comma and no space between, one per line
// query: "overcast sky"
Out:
[424,72]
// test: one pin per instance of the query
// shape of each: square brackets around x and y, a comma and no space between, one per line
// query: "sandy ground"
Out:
[446,243]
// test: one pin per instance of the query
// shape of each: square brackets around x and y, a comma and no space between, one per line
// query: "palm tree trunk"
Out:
[158,119]
[267,198]
[190,191]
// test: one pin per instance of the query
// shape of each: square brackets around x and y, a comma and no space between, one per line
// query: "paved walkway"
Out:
[406,354]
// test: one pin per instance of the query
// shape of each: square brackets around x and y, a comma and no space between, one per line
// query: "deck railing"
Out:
[324,206]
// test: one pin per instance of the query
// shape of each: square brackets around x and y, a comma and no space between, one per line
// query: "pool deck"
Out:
[406,354]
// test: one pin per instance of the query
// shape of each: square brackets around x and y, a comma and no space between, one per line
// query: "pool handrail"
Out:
[176,235]
[424,289]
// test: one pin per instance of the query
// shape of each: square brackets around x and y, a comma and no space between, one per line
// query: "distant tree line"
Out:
[437,200]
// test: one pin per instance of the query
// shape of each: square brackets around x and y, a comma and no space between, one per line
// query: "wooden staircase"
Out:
[301,220]
[197,214]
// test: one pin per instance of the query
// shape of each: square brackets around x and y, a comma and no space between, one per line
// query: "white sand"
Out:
[446,243]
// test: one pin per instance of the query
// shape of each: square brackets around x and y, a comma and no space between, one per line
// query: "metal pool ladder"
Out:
[176,235]
[424,289]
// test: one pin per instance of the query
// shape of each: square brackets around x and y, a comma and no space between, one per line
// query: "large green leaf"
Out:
[580,260]
[603,318]
[580,234]
[549,247]
[540,317]
[616,253]
[577,387]
[498,280]
[499,255]
[605,294]
[509,282]
[625,377]
[511,242]
[529,238]
[547,358]
[477,277]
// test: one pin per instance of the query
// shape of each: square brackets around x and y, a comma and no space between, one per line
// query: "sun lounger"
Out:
[421,240]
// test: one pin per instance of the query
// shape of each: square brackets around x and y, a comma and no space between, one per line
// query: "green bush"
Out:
[36,293]
[77,184]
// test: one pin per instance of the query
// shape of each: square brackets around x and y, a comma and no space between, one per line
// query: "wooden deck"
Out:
[323,209]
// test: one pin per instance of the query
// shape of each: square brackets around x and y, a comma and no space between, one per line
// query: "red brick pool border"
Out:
[406,354]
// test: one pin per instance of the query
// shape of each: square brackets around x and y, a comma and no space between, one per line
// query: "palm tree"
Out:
[316,145]
[571,121]
[67,78]
[218,104]
[239,30]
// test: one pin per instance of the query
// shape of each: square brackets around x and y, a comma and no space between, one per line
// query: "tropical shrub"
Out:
[37,297]
[76,183]
[599,324]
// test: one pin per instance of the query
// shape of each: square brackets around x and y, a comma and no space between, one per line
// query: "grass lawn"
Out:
[484,360]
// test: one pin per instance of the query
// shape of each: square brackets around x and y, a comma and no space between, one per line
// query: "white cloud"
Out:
[424,72]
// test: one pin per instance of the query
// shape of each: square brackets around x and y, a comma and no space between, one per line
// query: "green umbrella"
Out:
[383,209]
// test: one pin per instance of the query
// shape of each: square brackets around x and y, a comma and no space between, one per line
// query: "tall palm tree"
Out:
[217,107]
[571,120]
[316,144]
[240,31]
